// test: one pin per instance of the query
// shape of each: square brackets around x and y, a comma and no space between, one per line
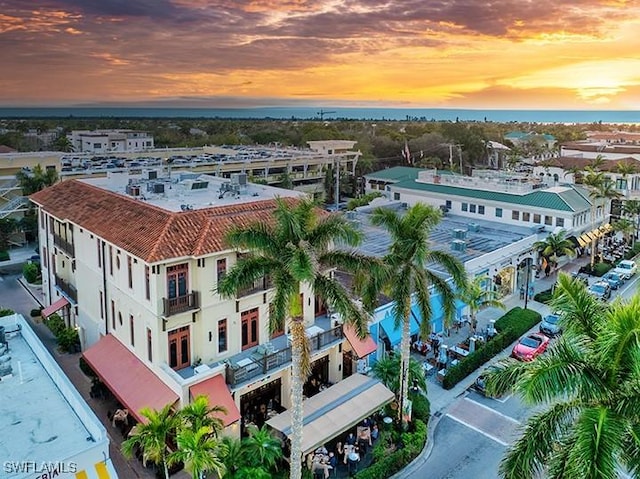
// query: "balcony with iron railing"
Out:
[65,246]
[180,304]
[261,284]
[67,288]
[266,358]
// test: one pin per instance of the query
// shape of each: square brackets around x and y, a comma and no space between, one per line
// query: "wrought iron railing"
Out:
[67,288]
[180,304]
[66,247]
[263,364]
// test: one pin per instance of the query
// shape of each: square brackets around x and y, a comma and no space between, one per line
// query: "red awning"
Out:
[128,378]
[362,347]
[57,306]
[218,392]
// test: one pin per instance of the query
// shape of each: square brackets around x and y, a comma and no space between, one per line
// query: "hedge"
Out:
[412,445]
[68,338]
[544,296]
[633,251]
[4,255]
[510,327]
[6,312]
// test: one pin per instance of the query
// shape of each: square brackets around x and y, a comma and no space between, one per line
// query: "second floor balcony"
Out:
[180,304]
[64,246]
[67,288]
[261,284]
[264,359]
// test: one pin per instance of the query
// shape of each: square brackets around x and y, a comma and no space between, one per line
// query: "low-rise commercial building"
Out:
[134,261]
[48,430]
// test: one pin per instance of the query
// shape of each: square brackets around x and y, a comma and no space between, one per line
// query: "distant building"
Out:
[48,430]
[110,141]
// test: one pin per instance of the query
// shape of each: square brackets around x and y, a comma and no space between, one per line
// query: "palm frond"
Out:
[334,229]
[332,292]
[244,273]
[526,459]
[258,237]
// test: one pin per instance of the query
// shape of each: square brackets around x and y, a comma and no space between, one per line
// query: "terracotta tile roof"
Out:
[146,231]
[6,149]
[567,162]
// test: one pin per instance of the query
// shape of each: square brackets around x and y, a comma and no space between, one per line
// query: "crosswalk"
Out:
[490,423]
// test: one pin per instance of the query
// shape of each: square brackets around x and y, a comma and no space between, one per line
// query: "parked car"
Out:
[550,325]
[530,347]
[480,384]
[600,290]
[581,277]
[614,279]
[626,268]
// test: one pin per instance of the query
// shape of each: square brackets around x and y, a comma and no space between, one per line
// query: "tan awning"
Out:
[335,410]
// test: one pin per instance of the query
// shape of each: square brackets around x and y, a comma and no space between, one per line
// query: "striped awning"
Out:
[101,470]
[594,234]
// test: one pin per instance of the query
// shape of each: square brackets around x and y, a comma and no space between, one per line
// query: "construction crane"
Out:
[322,113]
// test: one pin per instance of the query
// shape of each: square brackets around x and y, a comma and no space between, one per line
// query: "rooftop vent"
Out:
[239,179]
[158,188]
[458,245]
[133,190]
[473,227]
[199,185]
[460,234]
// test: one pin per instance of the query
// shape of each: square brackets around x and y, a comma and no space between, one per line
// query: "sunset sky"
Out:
[543,54]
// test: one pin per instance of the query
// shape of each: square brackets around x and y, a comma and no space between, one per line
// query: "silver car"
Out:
[550,325]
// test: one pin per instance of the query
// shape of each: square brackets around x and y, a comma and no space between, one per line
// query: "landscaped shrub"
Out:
[634,251]
[391,463]
[31,272]
[544,296]
[69,340]
[510,326]
[519,319]
[600,269]
[55,323]
[36,312]
[420,407]
[4,255]
[6,312]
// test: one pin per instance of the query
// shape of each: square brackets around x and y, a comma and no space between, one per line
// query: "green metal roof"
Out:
[397,173]
[567,200]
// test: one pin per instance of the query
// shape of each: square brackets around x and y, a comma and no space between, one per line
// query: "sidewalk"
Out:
[439,398]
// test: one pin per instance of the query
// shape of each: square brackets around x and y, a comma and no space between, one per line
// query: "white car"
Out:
[626,268]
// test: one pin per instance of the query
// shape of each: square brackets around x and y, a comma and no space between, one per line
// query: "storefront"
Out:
[259,404]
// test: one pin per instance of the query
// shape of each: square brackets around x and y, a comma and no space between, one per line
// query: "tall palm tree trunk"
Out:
[165,465]
[405,355]
[297,353]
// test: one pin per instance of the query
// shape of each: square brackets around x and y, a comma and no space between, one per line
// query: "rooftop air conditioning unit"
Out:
[458,245]
[133,190]
[239,179]
[474,227]
[151,175]
[460,234]
[158,188]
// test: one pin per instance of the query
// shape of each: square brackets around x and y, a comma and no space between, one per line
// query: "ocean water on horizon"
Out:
[310,113]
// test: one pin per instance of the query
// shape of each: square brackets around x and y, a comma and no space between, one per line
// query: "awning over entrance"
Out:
[57,306]
[362,347]
[218,392]
[594,234]
[128,378]
[395,334]
[102,470]
[335,410]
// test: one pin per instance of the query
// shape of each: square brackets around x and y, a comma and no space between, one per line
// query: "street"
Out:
[474,432]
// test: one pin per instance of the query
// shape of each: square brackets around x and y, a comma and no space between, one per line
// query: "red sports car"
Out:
[530,347]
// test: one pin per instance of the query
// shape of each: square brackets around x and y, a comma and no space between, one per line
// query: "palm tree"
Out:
[589,383]
[408,273]
[624,226]
[198,414]
[578,174]
[476,297]
[631,208]
[200,452]
[625,169]
[386,370]
[36,179]
[554,246]
[234,459]
[151,436]
[261,448]
[295,250]
[605,191]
